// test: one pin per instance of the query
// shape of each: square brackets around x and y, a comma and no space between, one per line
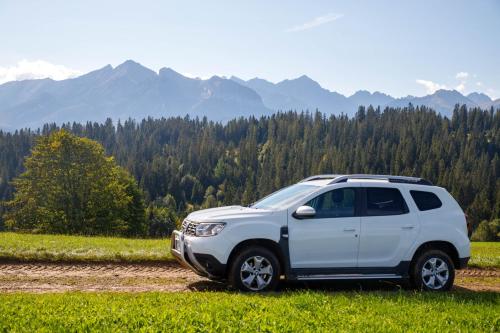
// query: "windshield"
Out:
[284,197]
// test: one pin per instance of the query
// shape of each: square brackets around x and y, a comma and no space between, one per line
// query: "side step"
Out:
[348,277]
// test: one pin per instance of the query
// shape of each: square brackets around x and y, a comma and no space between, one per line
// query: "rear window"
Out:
[384,201]
[426,200]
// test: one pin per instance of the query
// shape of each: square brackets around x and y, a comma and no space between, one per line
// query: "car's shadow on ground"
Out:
[340,285]
[329,286]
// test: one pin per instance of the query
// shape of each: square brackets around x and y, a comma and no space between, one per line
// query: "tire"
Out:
[433,271]
[255,269]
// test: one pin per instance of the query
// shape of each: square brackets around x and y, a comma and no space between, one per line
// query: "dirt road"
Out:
[45,277]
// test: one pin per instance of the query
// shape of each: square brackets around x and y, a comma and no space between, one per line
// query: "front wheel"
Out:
[433,271]
[255,269]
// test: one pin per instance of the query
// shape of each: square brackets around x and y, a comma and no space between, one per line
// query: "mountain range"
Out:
[132,90]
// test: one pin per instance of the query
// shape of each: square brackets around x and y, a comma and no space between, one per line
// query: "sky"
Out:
[397,47]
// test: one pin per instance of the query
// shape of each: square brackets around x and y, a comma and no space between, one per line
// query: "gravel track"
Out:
[61,277]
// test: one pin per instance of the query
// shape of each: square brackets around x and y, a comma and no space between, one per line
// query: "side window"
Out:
[381,201]
[336,203]
[426,200]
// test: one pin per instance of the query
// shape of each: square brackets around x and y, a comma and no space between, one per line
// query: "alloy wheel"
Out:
[256,273]
[435,273]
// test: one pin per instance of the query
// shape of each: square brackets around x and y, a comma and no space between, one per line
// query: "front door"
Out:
[331,237]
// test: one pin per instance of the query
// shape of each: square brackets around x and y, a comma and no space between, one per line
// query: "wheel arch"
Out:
[269,244]
[444,246]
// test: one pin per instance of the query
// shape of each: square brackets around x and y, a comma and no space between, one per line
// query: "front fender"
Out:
[244,231]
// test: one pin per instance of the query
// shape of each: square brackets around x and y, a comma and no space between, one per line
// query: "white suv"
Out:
[331,227]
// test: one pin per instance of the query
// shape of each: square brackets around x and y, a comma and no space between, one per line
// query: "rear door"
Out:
[387,228]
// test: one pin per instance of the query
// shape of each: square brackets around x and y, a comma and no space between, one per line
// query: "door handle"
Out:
[408,227]
[349,229]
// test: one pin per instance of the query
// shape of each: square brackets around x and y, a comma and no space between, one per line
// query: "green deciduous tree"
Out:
[487,231]
[69,186]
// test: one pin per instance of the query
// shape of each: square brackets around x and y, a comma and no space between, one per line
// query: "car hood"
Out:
[225,214]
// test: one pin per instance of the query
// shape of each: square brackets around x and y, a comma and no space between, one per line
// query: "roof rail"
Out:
[319,177]
[389,178]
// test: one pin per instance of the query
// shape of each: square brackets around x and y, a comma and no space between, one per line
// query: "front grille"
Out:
[191,228]
[184,225]
[188,227]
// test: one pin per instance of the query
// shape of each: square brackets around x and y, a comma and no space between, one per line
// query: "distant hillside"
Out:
[132,90]
[202,164]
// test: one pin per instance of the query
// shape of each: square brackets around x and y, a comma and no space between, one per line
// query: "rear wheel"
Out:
[433,271]
[255,269]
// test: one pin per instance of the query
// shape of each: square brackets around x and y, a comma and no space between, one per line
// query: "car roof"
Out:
[330,179]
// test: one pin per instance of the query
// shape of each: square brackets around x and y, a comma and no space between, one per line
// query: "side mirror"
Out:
[304,212]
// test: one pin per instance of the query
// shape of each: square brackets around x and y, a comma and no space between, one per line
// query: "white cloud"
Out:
[193,76]
[38,69]
[316,22]
[461,87]
[431,87]
[492,93]
[462,76]
[479,84]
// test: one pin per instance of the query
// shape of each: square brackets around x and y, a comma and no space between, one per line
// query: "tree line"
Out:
[183,164]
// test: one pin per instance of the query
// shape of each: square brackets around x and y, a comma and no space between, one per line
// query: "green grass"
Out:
[485,254]
[26,247]
[221,312]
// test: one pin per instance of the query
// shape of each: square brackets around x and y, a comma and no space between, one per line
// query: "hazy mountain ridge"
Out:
[129,90]
[311,96]
[132,90]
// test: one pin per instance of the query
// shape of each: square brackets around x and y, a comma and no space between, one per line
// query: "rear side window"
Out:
[426,200]
[384,201]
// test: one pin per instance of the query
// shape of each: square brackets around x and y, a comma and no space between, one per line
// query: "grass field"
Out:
[27,247]
[485,254]
[303,310]
[286,312]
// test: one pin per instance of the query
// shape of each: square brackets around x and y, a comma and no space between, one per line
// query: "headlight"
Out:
[209,229]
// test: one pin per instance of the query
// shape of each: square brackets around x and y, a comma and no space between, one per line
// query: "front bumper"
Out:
[201,263]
